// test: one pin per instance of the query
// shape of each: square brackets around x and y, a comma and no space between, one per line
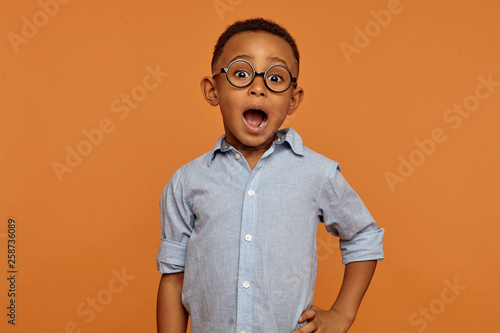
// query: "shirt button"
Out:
[251,193]
[248,238]
[237,156]
[246,284]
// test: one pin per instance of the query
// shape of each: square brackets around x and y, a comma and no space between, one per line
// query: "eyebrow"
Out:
[247,57]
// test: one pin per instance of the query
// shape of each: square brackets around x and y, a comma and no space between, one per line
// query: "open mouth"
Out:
[255,117]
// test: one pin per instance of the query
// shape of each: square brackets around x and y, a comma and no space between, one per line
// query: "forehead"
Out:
[260,48]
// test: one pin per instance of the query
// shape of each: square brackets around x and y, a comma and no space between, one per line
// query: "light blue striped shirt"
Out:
[246,239]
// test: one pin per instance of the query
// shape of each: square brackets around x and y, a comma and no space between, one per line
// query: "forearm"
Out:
[357,277]
[171,316]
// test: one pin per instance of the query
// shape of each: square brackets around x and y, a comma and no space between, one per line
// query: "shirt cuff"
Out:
[366,245]
[171,257]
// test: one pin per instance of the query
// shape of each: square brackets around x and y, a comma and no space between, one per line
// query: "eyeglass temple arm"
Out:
[222,71]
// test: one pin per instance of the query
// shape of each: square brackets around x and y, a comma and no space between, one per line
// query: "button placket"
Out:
[246,292]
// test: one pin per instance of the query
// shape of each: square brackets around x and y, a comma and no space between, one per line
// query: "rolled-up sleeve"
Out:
[345,216]
[177,222]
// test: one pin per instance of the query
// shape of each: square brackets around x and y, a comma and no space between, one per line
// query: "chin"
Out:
[260,140]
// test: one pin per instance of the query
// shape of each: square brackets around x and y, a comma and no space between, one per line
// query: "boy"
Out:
[238,246]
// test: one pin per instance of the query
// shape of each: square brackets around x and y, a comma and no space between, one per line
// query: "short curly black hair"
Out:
[255,24]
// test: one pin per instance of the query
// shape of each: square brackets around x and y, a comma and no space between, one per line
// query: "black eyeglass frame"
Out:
[255,73]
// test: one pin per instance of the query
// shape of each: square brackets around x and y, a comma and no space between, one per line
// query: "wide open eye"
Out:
[275,78]
[278,78]
[242,74]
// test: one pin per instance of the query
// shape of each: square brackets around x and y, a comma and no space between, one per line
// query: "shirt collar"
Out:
[285,135]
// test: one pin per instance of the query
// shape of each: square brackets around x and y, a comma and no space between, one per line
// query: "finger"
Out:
[314,307]
[307,315]
[307,328]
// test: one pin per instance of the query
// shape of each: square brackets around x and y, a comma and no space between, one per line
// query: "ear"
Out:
[297,97]
[209,90]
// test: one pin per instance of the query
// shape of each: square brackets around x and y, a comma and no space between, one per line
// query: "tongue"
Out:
[254,117]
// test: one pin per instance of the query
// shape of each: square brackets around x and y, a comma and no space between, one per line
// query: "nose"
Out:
[258,86]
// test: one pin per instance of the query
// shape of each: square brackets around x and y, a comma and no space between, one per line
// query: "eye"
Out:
[241,74]
[275,78]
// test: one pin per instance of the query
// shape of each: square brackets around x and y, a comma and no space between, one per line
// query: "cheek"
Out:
[229,98]
[282,107]
[229,109]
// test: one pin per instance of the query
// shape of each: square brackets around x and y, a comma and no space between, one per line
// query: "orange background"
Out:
[364,110]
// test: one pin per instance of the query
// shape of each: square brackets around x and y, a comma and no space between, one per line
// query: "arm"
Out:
[171,316]
[339,318]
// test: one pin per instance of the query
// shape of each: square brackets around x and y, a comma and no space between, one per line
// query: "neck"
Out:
[252,157]
[252,154]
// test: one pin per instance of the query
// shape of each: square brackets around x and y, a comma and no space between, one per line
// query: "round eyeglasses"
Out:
[240,73]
